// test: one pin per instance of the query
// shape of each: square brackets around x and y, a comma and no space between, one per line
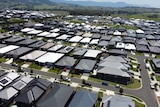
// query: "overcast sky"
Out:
[152,3]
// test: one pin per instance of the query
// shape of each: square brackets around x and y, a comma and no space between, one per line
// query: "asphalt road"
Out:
[145,93]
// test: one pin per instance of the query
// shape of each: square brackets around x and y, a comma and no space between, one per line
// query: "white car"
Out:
[152,85]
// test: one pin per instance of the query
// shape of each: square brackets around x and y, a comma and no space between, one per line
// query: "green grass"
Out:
[55,70]
[98,104]
[74,75]
[35,66]
[3,59]
[139,53]
[157,77]
[43,6]
[136,84]
[138,104]
[75,21]
[100,94]
[134,69]
[157,56]
[20,63]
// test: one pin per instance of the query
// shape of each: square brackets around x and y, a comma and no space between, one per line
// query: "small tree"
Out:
[83,81]
[121,90]
[31,72]
[19,69]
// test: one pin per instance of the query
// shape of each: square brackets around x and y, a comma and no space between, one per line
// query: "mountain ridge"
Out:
[100,4]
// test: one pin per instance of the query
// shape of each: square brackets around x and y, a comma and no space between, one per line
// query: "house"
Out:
[85,65]
[154,43]
[66,62]
[27,42]
[14,39]
[32,55]
[63,37]
[120,45]
[48,59]
[7,49]
[94,42]
[92,54]
[142,48]
[79,52]
[142,42]
[58,96]
[37,45]
[75,39]
[7,96]
[25,30]
[4,36]
[106,38]
[43,34]
[18,52]
[84,98]
[155,63]
[47,46]
[66,50]
[154,50]
[52,35]
[117,52]
[130,47]
[55,48]
[114,68]
[117,101]
[32,93]
[85,40]
[102,43]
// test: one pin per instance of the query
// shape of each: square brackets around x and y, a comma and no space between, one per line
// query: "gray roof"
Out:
[79,51]
[57,97]
[155,50]
[27,42]
[117,52]
[84,98]
[37,44]
[117,101]
[103,43]
[47,45]
[142,48]
[107,38]
[96,36]
[2,73]
[66,61]
[142,42]
[18,52]
[8,93]
[86,64]
[2,45]
[14,39]
[66,49]
[156,62]
[154,43]
[4,35]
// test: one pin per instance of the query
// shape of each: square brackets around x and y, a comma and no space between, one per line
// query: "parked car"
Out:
[104,83]
[152,85]
[14,64]
[87,83]
[118,86]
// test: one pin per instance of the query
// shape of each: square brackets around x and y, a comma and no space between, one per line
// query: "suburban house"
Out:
[59,96]
[117,101]
[84,98]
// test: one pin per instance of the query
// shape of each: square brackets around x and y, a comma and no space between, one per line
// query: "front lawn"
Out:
[134,85]
[35,66]
[3,59]
[55,70]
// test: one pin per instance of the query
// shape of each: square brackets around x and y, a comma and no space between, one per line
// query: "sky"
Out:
[151,3]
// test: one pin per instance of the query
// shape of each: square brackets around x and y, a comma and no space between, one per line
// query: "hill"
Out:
[100,4]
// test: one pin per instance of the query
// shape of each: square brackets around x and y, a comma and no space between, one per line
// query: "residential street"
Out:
[145,93]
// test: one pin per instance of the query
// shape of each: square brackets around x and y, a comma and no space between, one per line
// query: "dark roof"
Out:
[154,43]
[2,73]
[37,44]
[156,62]
[2,45]
[4,35]
[32,92]
[18,52]
[96,36]
[57,97]
[14,39]
[79,51]
[103,43]
[142,48]
[66,61]
[27,42]
[142,42]
[66,49]
[84,98]
[117,52]
[155,50]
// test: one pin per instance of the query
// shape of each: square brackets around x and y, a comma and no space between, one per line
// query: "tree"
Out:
[121,90]
[83,81]
[19,69]
[31,72]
